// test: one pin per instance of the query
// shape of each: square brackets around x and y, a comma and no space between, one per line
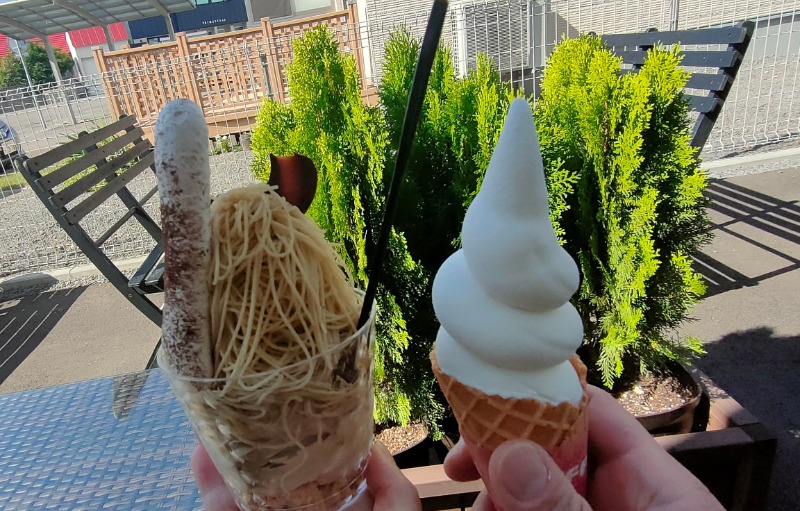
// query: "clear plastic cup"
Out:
[297,445]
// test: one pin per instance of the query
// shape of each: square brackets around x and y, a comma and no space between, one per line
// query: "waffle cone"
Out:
[486,421]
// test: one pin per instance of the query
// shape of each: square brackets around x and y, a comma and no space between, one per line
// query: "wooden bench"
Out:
[440,493]
[733,40]
[76,178]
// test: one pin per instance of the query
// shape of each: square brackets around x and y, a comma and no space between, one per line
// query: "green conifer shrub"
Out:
[626,197]
[348,141]
[461,121]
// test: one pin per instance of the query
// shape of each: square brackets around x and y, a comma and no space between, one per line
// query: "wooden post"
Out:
[105,77]
[188,73]
[274,71]
[355,40]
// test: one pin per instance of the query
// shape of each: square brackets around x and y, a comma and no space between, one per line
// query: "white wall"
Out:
[85,57]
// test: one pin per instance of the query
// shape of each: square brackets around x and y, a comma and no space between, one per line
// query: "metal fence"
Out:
[764,104]
[763,107]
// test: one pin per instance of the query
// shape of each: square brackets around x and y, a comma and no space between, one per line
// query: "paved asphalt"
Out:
[749,322]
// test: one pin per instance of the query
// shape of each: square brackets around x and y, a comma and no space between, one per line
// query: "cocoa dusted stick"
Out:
[182,168]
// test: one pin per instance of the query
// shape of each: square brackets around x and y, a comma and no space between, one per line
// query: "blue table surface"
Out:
[118,443]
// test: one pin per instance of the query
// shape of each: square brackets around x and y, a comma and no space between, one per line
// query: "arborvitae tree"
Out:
[462,118]
[11,72]
[626,194]
[348,141]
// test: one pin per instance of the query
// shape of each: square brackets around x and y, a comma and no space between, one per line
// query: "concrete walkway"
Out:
[749,322]
[70,335]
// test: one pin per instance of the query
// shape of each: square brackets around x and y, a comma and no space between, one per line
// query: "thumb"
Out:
[525,478]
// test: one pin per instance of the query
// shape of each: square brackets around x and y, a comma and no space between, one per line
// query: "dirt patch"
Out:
[399,438]
[655,393]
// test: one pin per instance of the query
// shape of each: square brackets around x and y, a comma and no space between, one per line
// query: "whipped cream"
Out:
[508,328]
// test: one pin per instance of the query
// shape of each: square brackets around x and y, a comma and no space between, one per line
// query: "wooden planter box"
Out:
[733,458]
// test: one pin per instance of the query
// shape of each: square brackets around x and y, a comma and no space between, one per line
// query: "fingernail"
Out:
[525,475]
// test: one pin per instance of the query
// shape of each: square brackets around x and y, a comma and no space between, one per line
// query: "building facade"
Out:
[81,42]
[209,17]
[288,9]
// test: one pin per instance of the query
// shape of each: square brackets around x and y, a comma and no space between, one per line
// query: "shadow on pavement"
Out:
[767,214]
[762,372]
[26,321]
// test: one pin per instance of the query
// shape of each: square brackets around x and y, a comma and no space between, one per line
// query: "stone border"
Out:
[64,275]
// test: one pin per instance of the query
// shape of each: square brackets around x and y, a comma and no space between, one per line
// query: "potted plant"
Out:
[626,199]
[626,191]
[626,195]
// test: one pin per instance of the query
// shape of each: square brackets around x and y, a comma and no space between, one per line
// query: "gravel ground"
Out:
[399,438]
[761,105]
[31,240]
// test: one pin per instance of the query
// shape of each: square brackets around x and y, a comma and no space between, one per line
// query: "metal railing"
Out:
[519,35]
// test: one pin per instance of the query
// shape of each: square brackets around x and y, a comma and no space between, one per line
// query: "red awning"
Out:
[95,36]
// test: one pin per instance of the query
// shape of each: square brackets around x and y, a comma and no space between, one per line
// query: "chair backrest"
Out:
[77,177]
[730,46]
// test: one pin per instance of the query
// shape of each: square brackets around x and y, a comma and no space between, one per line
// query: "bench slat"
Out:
[721,35]
[723,59]
[155,279]
[82,143]
[75,167]
[75,215]
[431,481]
[702,81]
[102,172]
[708,81]
[702,104]
[151,263]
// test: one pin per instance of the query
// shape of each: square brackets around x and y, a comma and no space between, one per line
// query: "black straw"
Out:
[416,98]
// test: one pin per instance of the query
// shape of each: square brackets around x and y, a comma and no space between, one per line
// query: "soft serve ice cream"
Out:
[507,326]
[505,353]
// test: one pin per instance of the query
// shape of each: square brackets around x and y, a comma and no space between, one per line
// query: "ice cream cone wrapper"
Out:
[486,421]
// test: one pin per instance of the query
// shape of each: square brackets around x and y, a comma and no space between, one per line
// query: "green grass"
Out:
[12,181]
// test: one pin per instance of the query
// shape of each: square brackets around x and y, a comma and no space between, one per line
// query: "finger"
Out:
[216,495]
[613,431]
[389,487]
[458,464]
[483,503]
[631,470]
[525,478]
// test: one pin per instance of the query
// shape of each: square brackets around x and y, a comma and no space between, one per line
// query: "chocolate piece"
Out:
[296,179]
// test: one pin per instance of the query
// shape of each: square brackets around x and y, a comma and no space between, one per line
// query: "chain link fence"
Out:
[763,107]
